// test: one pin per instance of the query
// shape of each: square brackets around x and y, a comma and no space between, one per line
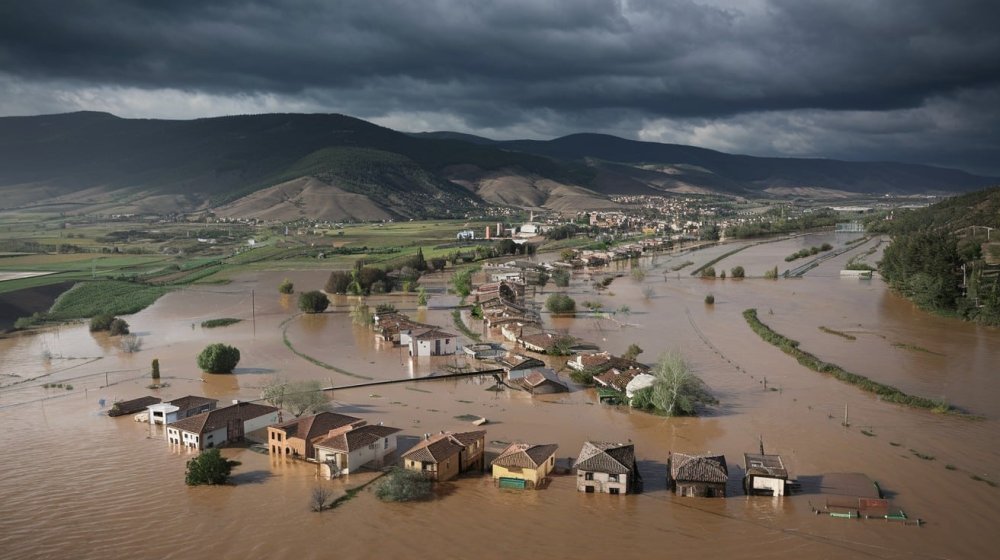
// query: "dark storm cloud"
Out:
[549,66]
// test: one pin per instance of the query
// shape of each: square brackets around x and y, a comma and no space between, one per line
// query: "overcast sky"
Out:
[907,80]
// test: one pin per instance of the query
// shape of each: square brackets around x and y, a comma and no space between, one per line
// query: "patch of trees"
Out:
[738,272]
[368,279]
[814,250]
[108,322]
[401,485]
[775,224]
[298,397]
[218,358]
[560,277]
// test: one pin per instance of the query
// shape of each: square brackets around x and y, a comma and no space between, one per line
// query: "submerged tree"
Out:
[401,485]
[676,391]
[210,467]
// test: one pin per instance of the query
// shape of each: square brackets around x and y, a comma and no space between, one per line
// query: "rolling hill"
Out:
[342,168]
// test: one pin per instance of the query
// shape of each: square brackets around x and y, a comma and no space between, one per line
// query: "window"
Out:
[386,444]
[612,490]
[612,478]
[588,476]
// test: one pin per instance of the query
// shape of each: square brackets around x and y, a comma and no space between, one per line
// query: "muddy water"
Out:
[81,485]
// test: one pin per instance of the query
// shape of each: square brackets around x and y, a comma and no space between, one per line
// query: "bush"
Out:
[101,322]
[224,322]
[210,467]
[286,287]
[737,272]
[708,272]
[338,282]
[118,327]
[560,277]
[771,274]
[710,299]
[313,302]
[560,303]
[156,369]
[218,358]
[462,282]
[401,485]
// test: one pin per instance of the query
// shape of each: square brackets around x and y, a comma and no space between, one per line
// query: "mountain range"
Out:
[328,166]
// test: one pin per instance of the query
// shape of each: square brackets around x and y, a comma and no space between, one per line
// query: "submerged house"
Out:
[539,381]
[607,468]
[444,456]
[120,408]
[296,438]
[764,475]
[348,448]
[524,465]
[221,426]
[703,476]
[432,342]
[179,409]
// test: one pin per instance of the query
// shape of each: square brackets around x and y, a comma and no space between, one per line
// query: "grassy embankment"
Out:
[886,393]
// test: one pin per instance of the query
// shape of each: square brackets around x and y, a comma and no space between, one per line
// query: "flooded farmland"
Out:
[81,485]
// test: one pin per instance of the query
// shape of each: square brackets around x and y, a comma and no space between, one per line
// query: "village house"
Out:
[433,342]
[348,448]
[221,426]
[764,475]
[607,468]
[120,408]
[179,409]
[703,476]
[523,465]
[599,362]
[539,381]
[445,455]
[295,438]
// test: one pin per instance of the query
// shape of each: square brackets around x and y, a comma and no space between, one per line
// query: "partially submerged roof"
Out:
[698,468]
[191,401]
[517,361]
[606,457]
[310,427]
[135,405]
[764,465]
[441,446]
[220,417]
[525,456]
[434,334]
[542,376]
[347,438]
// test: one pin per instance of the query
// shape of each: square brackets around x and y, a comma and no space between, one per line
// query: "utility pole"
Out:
[846,422]
[253,312]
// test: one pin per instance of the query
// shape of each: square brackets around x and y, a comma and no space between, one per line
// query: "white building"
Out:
[179,409]
[347,449]
[432,342]
[221,426]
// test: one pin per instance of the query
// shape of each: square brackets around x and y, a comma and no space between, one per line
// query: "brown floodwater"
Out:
[78,484]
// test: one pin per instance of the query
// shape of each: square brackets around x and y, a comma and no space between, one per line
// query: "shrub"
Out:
[401,485]
[560,277]
[131,343]
[118,327]
[771,274]
[632,352]
[560,303]
[710,299]
[737,272]
[218,358]
[286,287]
[156,369]
[422,297]
[210,467]
[338,282]
[224,322]
[313,302]
[101,322]
[708,272]
[462,282]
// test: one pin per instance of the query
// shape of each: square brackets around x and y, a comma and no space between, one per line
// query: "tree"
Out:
[632,352]
[131,343]
[313,302]
[422,297]
[561,346]
[101,322]
[567,255]
[737,272]
[401,485]
[438,263]
[118,327]
[560,277]
[542,279]
[708,272]
[560,303]
[218,358]
[722,274]
[274,392]
[710,299]
[304,396]
[320,498]
[338,282]
[638,273]
[209,467]
[462,282]
[361,315]
[676,391]
[419,262]
[286,287]
[771,274]
[156,369]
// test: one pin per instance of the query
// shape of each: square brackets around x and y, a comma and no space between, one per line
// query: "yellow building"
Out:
[524,465]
